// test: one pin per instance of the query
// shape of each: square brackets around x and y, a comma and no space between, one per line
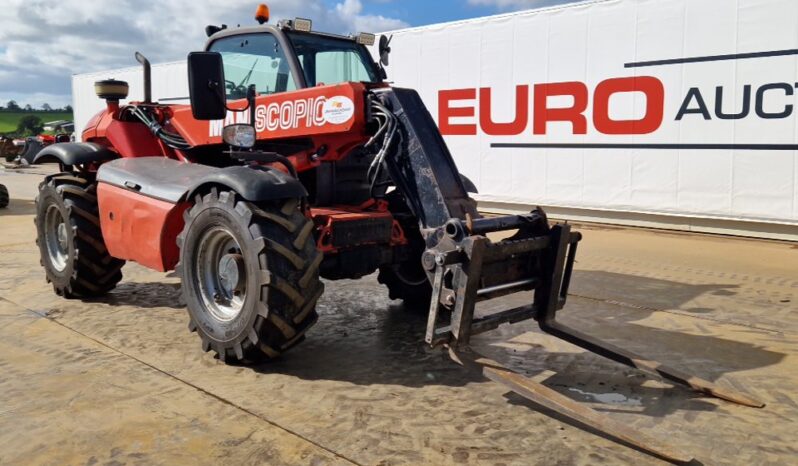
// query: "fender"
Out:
[74,153]
[254,184]
[142,200]
[173,181]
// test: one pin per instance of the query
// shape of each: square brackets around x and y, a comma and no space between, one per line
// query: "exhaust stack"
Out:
[147,77]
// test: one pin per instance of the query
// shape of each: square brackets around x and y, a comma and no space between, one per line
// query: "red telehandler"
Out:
[296,160]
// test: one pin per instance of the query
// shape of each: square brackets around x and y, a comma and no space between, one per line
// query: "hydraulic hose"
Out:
[173,140]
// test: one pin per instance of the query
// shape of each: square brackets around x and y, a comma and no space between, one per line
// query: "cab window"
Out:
[332,60]
[253,59]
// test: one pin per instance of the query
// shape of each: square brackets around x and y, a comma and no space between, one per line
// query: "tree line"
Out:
[13,106]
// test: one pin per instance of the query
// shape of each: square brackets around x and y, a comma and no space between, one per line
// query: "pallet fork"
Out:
[459,282]
[465,266]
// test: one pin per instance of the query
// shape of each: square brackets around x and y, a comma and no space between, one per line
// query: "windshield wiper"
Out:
[245,80]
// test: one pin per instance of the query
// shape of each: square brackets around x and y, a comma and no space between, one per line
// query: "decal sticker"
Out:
[338,110]
[312,112]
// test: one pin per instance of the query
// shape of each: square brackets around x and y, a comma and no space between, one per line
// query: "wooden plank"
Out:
[553,400]
[629,358]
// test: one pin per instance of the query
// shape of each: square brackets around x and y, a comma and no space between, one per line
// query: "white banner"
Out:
[663,106]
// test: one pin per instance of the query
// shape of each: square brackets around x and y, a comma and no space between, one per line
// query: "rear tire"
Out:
[250,275]
[70,241]
[3,197]
[407,280]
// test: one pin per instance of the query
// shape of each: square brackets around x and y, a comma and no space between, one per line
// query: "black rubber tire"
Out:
[90,271]
[3,197]
[407,280]
[281,261]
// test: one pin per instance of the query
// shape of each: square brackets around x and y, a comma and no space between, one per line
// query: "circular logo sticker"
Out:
[338,109]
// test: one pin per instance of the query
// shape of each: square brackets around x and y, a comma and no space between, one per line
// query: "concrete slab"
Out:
[68,399]
[123,374]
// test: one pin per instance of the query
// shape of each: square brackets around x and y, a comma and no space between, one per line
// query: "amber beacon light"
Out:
[262,14]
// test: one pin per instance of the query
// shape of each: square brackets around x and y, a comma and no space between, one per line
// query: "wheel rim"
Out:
[56,238]
[221,274]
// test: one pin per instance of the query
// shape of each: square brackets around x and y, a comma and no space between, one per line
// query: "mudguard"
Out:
[74,153]
[173,181]
[142,200]
[254,184]
[30,150]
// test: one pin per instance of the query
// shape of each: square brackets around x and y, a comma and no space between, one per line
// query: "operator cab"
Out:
[248,62]
[290,56]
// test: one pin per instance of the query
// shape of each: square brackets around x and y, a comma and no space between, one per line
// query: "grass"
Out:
[9,120]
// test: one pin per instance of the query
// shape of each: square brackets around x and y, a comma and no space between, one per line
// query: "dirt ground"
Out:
[121,380]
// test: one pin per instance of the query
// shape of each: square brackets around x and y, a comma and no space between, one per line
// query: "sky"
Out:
[44,42]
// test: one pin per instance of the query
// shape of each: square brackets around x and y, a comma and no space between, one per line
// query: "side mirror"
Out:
[206,86]
[385,49]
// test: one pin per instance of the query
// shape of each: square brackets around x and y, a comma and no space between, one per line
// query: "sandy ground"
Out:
[121,380]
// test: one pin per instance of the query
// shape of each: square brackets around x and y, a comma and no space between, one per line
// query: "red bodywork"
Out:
[140,228]
[143,229]
[127,138]
[327,219]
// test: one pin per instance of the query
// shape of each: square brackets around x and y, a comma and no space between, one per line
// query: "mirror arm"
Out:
[214,86]
[251,94]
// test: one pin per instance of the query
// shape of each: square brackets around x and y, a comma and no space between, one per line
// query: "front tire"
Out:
[407,280]
[70,241]
[250,275]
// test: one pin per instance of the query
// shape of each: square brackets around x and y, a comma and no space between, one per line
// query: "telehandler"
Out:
[297,161]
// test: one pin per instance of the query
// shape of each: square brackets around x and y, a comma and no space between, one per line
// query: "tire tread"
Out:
[4,197]
[289,262]
[95,271]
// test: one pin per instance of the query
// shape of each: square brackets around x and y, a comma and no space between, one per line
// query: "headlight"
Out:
[364,38]
[303,25]
[239,135]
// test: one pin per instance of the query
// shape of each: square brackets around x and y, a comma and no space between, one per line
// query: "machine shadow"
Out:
[357,343]
[363,338]
[588,377]
[18,207]
[365,345]
[147,295]
[644,291]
